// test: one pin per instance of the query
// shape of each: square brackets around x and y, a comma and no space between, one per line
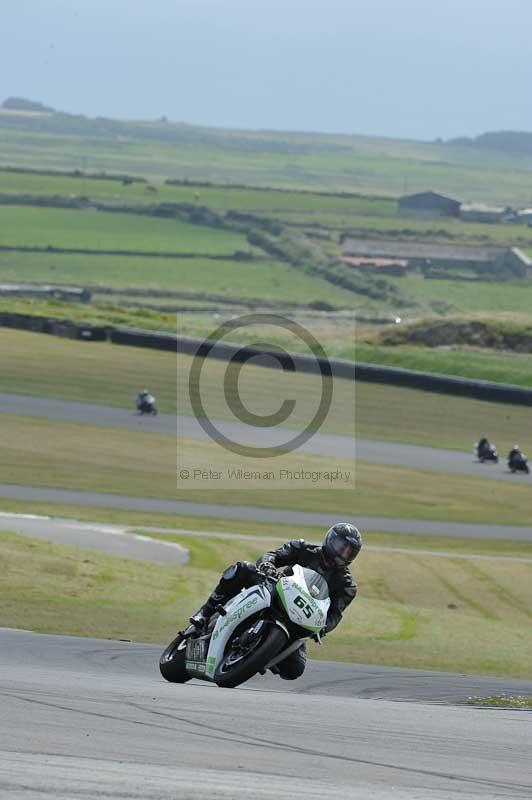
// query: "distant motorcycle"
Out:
[519,464]
[486,452]
[146,405]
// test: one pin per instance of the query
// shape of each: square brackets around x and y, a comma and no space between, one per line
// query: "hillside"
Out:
[156,219]
[162,149]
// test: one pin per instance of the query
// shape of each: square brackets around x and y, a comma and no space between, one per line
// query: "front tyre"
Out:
[238,666]
[172,661]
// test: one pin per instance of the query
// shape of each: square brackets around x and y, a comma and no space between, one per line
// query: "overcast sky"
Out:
[403,68]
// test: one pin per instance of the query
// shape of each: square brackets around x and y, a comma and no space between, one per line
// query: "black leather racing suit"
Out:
[342,589]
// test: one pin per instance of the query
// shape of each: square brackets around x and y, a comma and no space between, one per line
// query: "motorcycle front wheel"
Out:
[172,661]
[239,665]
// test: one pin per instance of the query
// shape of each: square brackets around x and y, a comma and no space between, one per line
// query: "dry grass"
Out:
[41,452]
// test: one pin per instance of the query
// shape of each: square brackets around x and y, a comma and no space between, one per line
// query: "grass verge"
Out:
[502,701]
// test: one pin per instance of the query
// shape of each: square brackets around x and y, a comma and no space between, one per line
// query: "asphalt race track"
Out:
[392,453]
[252,513]
[91,719]
[113,539]
[123,540]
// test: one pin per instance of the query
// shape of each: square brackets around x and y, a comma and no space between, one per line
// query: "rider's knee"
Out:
[292,671]
[293,666]
[230,572]
[242,572]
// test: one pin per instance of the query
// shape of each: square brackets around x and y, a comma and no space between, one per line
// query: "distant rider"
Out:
[515,454]
[341,545]
[483,447]
[144,398]
[486,450]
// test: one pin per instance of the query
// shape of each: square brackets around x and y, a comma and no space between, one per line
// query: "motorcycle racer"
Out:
[341,545]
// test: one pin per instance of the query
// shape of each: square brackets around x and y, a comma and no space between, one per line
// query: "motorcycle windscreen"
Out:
[316,583]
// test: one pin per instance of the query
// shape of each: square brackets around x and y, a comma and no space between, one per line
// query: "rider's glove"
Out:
[268,570]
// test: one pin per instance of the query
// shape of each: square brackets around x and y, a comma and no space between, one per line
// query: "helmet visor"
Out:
[342,550]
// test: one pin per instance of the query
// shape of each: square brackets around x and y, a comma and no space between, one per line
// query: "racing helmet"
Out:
[341,545]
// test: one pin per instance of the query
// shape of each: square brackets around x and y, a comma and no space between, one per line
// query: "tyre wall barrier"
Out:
[86,333]
[227,351]
[141,338]
[370,373]
[70,330]
[445,384]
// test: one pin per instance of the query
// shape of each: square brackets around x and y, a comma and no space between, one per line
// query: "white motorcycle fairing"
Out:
[305,598]
[245,604]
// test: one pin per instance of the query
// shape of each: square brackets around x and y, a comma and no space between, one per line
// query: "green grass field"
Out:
[361,215]
[24,226]
[504,367]
[311,161]
[263,280]
[464,296]
[442,229]
[412,611]
[220,198]
[37,364]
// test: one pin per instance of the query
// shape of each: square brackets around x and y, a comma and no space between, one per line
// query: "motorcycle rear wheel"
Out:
[172,661]
[273,642]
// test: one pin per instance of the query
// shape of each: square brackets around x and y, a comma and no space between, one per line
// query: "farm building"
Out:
[525,215]
[428,204]
[477,212]
[436,260]
[383,266]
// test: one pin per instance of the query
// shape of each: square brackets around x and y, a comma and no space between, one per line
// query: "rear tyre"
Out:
[172,661]
[229,675]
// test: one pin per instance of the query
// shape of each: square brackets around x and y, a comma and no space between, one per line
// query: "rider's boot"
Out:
[202,616]
[232,580]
